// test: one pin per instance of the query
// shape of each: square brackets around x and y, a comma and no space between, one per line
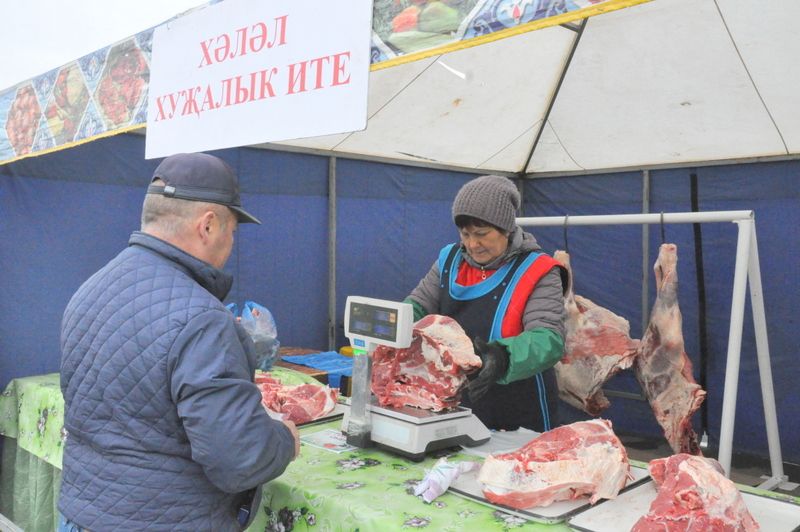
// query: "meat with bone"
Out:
[597,346]
[299,403]
[431,372]
[568,462]
[694,495]
[662,367]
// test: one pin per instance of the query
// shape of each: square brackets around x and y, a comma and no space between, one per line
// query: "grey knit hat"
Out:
[490,198]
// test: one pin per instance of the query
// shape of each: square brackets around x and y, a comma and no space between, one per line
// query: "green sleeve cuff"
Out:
[419,310]
[531,352]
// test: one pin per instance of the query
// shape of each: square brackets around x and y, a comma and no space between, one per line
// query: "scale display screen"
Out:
[372,321]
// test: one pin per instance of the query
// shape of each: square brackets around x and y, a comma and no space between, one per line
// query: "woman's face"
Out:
[484,244]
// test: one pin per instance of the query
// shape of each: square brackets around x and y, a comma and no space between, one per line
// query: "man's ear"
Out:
[205,226]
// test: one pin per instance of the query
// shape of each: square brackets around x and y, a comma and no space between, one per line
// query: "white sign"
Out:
[244,72]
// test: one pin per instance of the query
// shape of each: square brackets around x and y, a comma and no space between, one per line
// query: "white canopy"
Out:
[660,83]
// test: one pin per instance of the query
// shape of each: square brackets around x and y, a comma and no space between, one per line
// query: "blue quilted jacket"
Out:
[165,427]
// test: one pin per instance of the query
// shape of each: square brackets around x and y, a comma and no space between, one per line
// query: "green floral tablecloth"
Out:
[321,490]
[32,411]
[363,489]
[369,490]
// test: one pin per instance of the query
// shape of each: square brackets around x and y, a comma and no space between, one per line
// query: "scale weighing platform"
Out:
[408,431]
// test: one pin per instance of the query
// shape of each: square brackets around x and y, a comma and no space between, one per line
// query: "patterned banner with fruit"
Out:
[105,93]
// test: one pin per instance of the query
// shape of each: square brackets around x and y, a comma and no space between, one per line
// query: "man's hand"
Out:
[295,435]
[495,364]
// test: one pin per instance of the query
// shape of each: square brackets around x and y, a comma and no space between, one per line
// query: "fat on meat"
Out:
[431,372]
[581,459]
[299,403]
[662,367]
[694,496]
[597,346]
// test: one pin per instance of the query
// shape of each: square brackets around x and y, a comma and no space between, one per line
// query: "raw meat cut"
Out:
[584,458]
[431,372]
[300,403]
[662,367]
[598,345]
[694,495]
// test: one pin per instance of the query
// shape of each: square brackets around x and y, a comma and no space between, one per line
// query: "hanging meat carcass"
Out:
[431,372]
[662,367]
[694,496]
[581,459]
[598,345]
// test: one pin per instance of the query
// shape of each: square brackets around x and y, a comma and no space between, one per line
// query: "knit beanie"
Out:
[490,198]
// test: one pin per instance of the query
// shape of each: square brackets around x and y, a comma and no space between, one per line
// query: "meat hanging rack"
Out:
[747,269]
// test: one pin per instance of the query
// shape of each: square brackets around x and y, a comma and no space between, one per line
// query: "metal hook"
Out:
[566,240]
[663,239]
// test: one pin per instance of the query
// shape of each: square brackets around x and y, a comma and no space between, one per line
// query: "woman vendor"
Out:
[508,296]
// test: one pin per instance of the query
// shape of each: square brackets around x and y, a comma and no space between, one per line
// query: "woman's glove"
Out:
[494,360]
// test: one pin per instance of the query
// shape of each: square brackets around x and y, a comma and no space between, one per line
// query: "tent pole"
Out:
[645,253]
[332,254]
[579,32]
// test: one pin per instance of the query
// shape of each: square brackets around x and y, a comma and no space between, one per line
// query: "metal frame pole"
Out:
[734,345]
[778,479]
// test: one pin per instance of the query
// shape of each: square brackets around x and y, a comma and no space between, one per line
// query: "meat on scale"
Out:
[429,374]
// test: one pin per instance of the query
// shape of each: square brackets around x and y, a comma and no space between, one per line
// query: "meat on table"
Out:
[581,459]
[694,496]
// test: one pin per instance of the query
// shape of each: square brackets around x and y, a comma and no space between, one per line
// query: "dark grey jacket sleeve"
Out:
[427,291]
[545,307]
[231,435]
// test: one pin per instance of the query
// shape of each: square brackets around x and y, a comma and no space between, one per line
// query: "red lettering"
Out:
[260,31]
[241,37]
[221,52]
[319,64]
[280,31]
[191,101]
[208,100]
[206,53]
[297,79]
[266,83]
[340,63]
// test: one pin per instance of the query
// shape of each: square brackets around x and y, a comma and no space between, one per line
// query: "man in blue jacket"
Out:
[165,427]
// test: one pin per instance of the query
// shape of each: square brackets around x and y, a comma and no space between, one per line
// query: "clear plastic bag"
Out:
[260,325]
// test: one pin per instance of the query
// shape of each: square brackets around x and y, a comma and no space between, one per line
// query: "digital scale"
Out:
[408,431]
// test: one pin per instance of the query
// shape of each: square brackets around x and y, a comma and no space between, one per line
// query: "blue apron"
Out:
[531,403]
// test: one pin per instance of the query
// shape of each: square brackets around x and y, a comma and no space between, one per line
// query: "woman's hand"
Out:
[494,360]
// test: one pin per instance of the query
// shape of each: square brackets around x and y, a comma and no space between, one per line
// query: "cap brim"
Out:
[244,217]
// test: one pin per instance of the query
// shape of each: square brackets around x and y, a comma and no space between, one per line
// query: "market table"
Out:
[364,489]
[321,490]
[369,489]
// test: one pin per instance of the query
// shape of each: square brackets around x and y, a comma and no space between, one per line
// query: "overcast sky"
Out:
[39,35]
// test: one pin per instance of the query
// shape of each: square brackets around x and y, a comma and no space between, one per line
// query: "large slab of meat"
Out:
[694,496]
[431,372]
[597,345]
[581,459]
[662,367]
[299,403]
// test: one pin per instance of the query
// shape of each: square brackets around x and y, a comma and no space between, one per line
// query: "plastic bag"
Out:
[260,325]
[438,479]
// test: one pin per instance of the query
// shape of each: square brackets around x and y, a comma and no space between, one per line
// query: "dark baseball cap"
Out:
[200,177]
